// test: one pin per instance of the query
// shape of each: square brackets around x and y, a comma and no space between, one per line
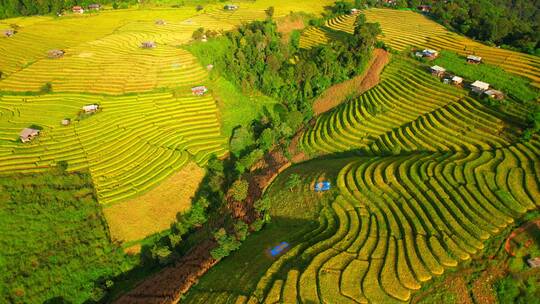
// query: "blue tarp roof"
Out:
[322,186]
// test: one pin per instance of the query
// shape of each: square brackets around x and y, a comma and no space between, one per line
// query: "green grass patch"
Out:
[54,240]
[514,86]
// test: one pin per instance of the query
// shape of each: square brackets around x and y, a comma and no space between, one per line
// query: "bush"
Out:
[46,88]
[239,189]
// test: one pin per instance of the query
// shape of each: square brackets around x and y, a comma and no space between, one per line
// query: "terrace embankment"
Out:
[338,93]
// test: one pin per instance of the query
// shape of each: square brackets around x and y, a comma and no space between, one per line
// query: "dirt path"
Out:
[336,94]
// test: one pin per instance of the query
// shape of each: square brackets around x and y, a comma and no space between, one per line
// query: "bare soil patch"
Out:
[336,94]
[287,24]
[155,210]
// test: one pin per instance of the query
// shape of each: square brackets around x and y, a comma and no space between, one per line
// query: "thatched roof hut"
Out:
[56,53]
[148,44]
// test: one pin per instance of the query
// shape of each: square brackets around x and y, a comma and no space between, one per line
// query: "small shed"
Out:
[494,94]
[90,108]
[210,67]
[322,186]
[474,59]
[479,87]
[148,45]
[204,38]
[27,134]
[437,71]
[9,33]
[354,11]
[56,53]
[230,7]
[66,122]
[160,22]
[94,6]
[456,80]
[534,262]
[424,8]
[199,90]
[77,9]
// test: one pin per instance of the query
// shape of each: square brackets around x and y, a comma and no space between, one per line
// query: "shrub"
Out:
[46,88]
[239,189]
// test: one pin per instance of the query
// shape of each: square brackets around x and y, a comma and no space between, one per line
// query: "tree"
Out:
[239,189]
[198,34]
[199,8]
[241,139]
[269,12]
[161,253]
[293,181]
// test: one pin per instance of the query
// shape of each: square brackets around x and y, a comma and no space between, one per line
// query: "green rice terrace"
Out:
[263,151]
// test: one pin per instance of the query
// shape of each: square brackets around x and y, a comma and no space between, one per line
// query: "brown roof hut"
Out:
[27,134]
[94,6]
[474,59]
[424,8]
[437,71]
[77,9]
[56,53]
[148,45]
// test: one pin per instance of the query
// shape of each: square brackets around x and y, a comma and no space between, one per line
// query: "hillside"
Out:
[267,152]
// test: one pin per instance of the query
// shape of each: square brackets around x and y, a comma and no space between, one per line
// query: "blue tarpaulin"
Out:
[322,186]
[279,248]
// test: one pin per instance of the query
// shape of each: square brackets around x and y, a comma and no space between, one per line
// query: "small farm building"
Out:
[77,9]
[90,108]
[66,122]
[199,91]
[161,22]
[230,7]
[456,80]
[55,53]
[534,262]
[427,53]
[424,8]
[474,59]
[354,11]
[479,87]
[210,67]
[94,6]
[148,45]
[498,95]
[9,33]
[437,71]
[27,134]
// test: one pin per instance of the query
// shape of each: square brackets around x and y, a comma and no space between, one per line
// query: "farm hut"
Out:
[474,59]
[431,54]
[456,80]
[27,134]
[94,6]
[204,38]
[90,108]
[77,10]
[66,122]
[199,91]
[210,67]
[494,94]
[479,87]
[437,71]
[160,22]
[9,33]
[534,262]
[148,45]
[230,7]
[424,8]
[354,11]
[56,53]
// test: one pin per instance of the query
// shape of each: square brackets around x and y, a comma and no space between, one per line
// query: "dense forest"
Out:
[54,239]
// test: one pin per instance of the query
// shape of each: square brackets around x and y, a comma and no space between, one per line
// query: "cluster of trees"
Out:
[258,59]
[15,8]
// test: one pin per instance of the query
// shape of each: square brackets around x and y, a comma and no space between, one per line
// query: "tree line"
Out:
[15,8]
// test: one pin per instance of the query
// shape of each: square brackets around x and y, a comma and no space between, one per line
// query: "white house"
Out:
[479,87]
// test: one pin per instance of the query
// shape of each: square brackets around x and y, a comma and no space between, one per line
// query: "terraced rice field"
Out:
[396,223]
[402,29]
[131,145]
[313,35]
[410,111]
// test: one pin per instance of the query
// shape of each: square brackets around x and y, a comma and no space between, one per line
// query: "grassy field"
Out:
[55,242]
